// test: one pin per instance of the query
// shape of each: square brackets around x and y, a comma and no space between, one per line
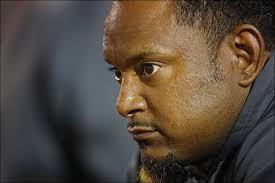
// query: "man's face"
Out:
[167,87]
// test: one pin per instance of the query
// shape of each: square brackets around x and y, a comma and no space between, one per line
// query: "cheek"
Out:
[170,105]
[194,114]
[179,96]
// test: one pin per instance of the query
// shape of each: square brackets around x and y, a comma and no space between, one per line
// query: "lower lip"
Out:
[144,136]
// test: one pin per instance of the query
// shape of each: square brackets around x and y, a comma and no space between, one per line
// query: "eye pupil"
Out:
[148,68]
[117,73]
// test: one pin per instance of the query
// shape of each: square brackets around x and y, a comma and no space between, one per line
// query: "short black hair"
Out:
[216,18]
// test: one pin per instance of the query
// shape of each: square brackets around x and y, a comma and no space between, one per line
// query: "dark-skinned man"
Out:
[197,87]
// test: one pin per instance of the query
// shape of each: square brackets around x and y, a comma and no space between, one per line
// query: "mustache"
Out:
[143,124]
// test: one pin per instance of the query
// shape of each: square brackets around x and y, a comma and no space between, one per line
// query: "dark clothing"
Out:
[248,153]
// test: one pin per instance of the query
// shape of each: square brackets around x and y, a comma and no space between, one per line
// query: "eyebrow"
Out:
[138,57]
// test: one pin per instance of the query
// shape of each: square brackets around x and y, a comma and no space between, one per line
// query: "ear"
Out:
[249,48]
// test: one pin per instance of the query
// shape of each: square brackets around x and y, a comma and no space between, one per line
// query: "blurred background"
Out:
[58,120]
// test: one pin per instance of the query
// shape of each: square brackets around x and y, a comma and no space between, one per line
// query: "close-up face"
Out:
[176,99]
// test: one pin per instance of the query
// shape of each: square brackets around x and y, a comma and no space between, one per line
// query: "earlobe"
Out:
[249,48]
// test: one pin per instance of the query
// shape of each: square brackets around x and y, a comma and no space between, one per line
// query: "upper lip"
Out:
[140,129]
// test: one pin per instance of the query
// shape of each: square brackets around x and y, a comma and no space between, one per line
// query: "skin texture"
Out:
[192,111]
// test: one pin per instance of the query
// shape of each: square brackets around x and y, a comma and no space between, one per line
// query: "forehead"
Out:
[141,26]
[136,14]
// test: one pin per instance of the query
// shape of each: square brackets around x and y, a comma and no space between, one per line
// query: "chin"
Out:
[156,152]
[144,176]
[160,167]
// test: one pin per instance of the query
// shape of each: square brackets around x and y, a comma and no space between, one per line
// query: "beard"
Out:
[169,169]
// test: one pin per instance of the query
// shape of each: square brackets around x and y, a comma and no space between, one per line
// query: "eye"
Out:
[149,69]
[117,73]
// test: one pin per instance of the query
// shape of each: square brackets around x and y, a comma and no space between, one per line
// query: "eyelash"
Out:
[141,71]
[143,68]
[115,70]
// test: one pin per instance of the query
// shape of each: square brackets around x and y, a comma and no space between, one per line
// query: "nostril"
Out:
[132,112]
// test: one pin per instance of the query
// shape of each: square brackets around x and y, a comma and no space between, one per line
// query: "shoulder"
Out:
[255,159]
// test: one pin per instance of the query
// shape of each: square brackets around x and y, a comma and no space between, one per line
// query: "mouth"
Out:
[141,133]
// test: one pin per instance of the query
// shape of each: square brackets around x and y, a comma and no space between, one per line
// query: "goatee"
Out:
[162,171]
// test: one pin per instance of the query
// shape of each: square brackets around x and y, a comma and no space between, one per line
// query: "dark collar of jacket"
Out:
[256,114]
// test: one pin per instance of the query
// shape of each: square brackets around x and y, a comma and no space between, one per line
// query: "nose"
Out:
[130,101]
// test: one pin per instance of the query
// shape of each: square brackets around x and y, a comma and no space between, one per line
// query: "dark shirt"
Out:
[248,154]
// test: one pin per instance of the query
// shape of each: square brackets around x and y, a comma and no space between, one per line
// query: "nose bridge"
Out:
[130,100]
